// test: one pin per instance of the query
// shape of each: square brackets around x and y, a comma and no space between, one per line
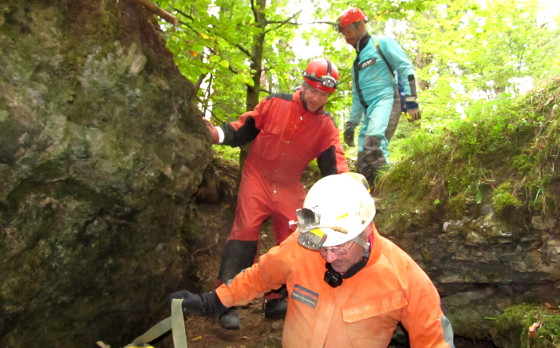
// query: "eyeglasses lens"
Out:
[338,250]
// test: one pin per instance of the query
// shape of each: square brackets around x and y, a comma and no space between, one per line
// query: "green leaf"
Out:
[478,196]
[224,64]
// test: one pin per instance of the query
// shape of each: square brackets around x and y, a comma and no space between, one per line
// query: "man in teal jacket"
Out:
[380,66]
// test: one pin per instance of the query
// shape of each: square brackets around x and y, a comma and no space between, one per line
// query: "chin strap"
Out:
[334,279]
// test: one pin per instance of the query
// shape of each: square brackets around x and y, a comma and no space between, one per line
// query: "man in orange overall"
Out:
[348,286]
[288,131]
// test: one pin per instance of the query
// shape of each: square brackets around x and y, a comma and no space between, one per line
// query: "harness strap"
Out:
[178,324]
[150,335]
[384,58]
[175,323]
[357,76]
[357,72]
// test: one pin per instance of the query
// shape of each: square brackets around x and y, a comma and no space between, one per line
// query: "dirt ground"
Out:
[255,330]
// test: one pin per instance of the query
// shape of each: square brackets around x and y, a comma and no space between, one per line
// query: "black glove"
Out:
[349,133]
[207,304]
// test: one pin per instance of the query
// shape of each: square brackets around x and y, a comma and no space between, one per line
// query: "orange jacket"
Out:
[362,312]
[286,138]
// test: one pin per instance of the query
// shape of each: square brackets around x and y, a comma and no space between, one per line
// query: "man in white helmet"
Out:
[348,286]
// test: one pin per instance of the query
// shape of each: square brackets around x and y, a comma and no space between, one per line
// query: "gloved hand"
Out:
[213,132]
[192,303]
[349,133]
[207,304]
[413,110]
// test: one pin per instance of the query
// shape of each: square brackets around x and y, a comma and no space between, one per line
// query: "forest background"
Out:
[471,56]
[112,198]
[488,76]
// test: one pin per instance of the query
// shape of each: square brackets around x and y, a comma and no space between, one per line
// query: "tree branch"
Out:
[286,21]
[150,6]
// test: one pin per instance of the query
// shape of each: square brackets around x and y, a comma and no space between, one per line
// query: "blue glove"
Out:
[411,105]
[207,304]
[413,110]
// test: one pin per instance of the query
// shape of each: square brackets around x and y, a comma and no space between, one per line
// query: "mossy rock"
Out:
[512,327]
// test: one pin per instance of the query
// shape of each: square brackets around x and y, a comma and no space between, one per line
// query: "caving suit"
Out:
[286,137]
[376,99]
[362,312]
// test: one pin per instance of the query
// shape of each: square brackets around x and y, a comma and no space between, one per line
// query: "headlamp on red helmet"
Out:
[321,74]
[349,16]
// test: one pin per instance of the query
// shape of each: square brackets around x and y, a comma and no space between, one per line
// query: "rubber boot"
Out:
[230,319]
[237,256]
[371,160]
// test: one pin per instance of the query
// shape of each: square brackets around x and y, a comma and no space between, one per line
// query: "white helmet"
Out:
[336,209]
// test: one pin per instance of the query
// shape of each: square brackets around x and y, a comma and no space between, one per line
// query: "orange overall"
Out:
[286,138]
[289,138]
[362,312]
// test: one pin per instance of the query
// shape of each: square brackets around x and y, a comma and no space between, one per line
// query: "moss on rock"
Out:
[527,325]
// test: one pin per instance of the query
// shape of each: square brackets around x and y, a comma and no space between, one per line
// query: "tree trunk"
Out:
[256,65]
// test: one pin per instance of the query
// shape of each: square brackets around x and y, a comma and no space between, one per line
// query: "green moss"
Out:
[512,327]
[509,145]
[458,204]
[503,197]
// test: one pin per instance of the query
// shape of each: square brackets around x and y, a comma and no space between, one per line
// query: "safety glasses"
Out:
[342,249]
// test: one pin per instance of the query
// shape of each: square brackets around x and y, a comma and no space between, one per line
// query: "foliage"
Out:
[509,148]
[470,50]
[227,152]
[216,47]
[469,70]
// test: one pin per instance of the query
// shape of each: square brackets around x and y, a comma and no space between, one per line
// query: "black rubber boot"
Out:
[237,256]
[276,303]
[276,308]
[230,319]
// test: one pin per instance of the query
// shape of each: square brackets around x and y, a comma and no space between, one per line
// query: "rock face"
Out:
[482,263]
[101,150]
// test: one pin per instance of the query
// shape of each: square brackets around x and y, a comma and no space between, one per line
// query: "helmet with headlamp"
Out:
[336,210]
[321,74]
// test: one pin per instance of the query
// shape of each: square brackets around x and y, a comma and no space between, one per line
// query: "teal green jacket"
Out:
[373,89]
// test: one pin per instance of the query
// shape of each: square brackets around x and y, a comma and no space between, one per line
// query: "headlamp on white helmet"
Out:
[336,210]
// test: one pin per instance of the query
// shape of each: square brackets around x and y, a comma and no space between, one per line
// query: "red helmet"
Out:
[349,16]
[321,74]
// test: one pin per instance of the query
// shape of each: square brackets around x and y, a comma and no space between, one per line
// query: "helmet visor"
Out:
[326,80]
